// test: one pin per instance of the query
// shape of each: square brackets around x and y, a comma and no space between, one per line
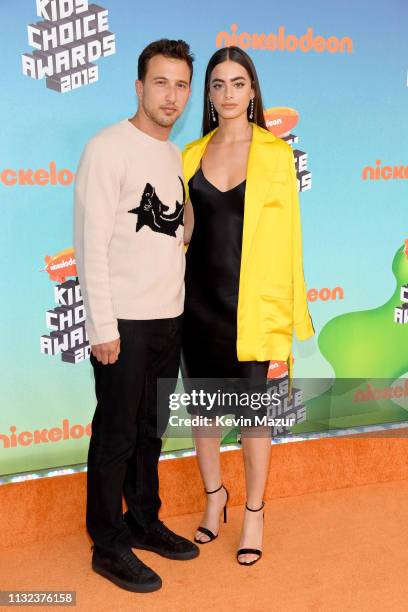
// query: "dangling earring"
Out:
[212,111]
[251,109]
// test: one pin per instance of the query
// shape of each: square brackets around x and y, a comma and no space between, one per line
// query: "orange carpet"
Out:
[29,509]
[339,550]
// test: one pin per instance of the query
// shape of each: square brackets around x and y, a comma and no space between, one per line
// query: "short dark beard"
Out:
[157,121]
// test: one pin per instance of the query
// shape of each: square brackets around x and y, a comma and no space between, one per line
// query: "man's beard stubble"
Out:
[159,120]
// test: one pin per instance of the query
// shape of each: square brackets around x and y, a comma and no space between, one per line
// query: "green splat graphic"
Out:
[364,347]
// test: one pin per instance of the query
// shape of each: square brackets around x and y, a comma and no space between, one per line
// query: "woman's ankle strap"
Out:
[257,509]
[215,490]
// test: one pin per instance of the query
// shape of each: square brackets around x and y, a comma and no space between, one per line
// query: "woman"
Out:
[245,290]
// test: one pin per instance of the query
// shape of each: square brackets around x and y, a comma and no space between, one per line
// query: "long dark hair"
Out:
[235,54]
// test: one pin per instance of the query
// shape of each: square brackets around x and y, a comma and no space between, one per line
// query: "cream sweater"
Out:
[128,229]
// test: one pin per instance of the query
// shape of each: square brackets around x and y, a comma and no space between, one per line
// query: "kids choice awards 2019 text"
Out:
[72,36]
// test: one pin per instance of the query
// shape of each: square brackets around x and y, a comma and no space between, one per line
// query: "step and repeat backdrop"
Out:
[334,79]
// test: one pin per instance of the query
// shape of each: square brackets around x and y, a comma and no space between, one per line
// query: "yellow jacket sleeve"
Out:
[302,322]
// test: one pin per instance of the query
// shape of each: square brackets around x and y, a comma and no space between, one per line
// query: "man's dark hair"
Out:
[177,49]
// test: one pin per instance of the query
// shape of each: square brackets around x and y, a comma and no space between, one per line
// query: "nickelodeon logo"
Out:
[41,177]
[386,172]
[277,369]
[44,436]
[61,265]
[284,42]
[373,394]
[325,294]
[280,120]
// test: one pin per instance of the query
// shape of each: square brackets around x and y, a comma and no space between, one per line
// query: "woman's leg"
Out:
[256,443]
[207,444]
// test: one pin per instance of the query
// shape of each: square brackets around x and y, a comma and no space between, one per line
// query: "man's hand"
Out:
[107,352]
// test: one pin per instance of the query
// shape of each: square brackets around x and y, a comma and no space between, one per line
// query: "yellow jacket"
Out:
[272,293]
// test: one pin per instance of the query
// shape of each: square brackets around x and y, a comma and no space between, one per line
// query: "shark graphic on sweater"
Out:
[152,212]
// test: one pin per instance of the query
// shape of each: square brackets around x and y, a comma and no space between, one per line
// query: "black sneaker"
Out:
[126,570]
[165,542]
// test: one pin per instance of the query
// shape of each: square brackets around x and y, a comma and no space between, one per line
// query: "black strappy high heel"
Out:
[251,551]
[206,531]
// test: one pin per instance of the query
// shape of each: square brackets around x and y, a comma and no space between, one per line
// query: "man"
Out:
[129,206]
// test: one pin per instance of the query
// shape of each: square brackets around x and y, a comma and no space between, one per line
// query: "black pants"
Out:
[127,427]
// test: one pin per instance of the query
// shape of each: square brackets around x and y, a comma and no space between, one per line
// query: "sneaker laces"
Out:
[166,533]
[132,561]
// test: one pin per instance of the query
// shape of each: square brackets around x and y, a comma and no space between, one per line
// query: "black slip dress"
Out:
[213,261]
